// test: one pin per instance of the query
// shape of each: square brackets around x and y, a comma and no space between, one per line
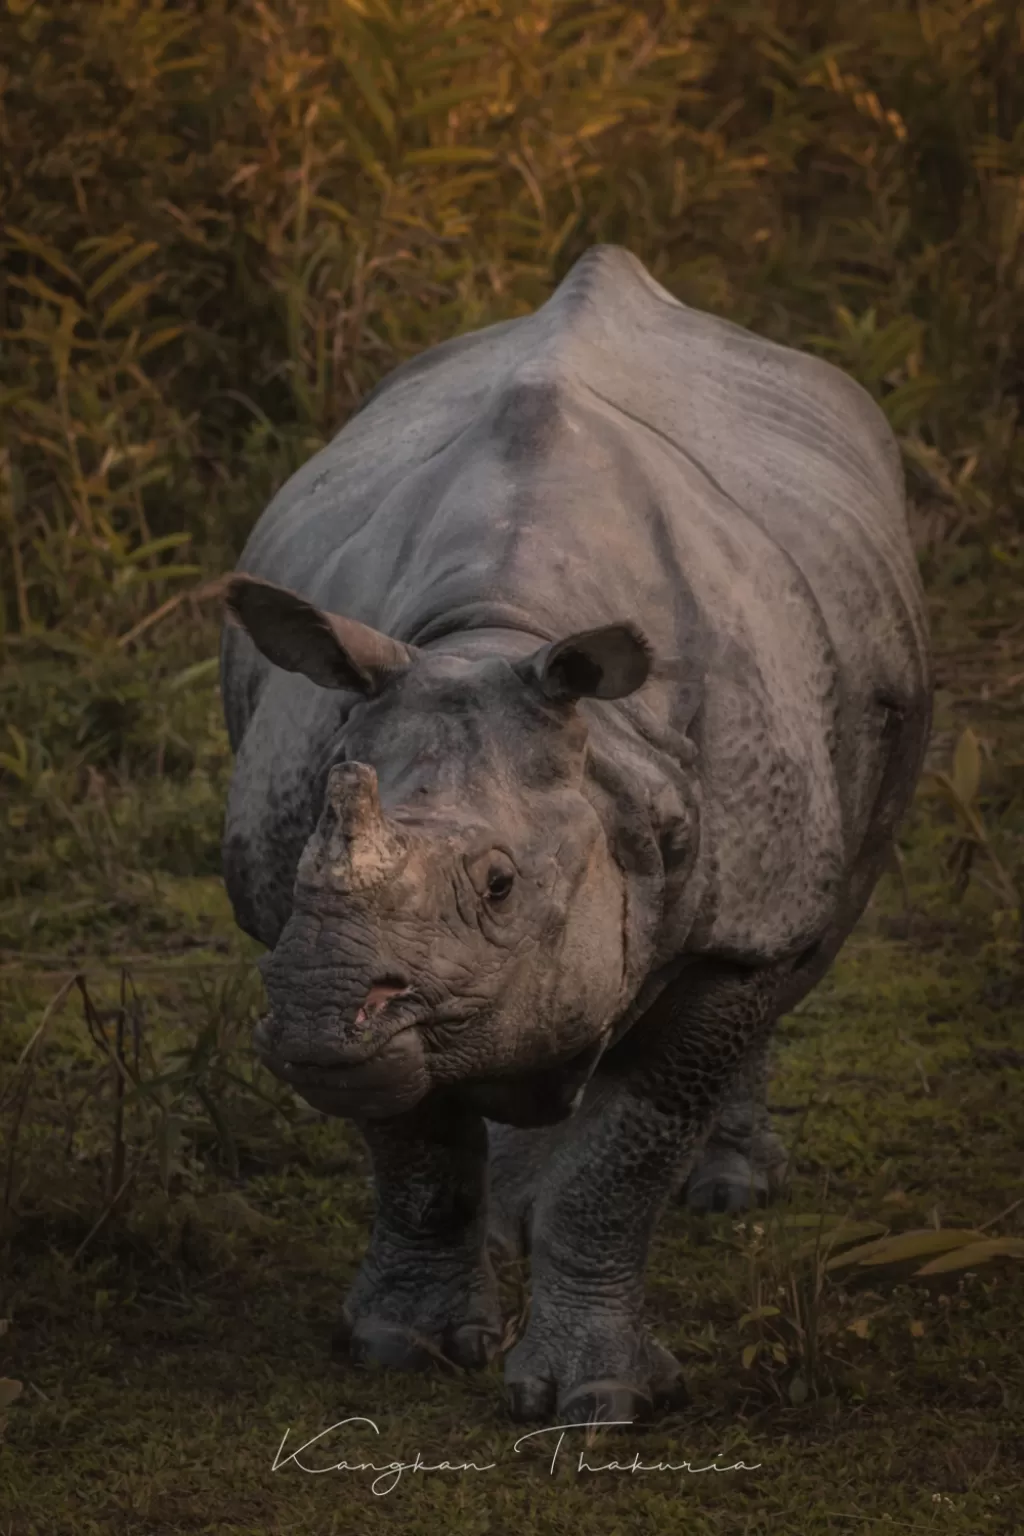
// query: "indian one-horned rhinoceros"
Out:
[576,689]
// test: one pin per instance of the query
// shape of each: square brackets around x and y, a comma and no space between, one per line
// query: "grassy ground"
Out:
[222,224]
[165,1354]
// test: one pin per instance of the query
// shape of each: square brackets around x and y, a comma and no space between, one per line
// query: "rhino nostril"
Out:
[381,993]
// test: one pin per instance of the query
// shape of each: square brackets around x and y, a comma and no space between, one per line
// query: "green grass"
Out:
[222,224]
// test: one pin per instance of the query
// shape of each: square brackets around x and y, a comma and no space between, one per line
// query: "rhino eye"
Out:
[493,875]
[499,884]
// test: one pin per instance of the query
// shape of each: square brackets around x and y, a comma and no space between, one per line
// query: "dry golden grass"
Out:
[223,222]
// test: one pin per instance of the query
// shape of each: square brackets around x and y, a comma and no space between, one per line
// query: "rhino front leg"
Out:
[744,1162]
[426,1283]
[585,1353]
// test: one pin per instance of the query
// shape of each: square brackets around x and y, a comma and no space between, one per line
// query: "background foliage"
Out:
[224,221]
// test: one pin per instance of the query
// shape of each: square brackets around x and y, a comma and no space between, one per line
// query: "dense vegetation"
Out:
[221,222]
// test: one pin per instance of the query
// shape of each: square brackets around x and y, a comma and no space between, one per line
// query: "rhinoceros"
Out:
[576,689]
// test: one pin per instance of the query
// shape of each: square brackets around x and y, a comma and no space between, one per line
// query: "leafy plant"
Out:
[152,1113]
[794,1320]
[946,1250]
[960,788]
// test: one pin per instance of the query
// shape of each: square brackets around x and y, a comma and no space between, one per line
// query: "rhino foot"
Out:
[590,1369]
[407,1317]
[726,1179]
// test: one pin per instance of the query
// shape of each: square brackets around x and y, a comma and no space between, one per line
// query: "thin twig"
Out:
[7,501]
[119,958]
[905,1525]
[899,869]
[121,1072]
[103,1217]
[207,591]
[20,1094]
[1002,1215]
[165,968]
[97,1030]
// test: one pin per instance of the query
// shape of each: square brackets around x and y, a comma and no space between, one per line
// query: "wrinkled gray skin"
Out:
[616,600]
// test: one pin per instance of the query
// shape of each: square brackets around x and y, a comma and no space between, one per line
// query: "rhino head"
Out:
[457,913]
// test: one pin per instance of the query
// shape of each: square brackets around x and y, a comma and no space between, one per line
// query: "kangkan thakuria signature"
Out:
[389,1473]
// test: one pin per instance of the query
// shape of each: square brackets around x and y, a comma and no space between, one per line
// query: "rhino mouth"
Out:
[377,1069]
[388,1084]
[388,1009]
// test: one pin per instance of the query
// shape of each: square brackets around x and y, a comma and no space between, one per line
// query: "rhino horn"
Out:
[356,847]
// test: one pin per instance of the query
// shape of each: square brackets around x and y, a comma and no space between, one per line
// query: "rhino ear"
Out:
[604,663]
[331,651]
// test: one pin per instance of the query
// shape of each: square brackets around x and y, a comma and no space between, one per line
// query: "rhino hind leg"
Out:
[744,1162]
[516,1167]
